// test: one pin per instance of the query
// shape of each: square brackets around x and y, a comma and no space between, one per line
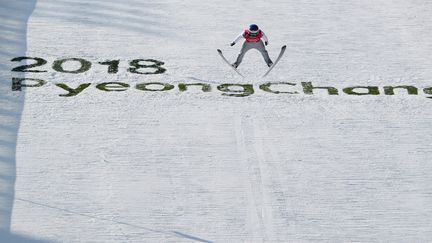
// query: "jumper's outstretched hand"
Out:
[266,43]
[232,43]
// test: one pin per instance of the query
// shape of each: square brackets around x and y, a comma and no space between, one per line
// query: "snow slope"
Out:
[184,166]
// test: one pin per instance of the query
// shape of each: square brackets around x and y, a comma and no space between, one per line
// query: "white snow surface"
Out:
[193,166]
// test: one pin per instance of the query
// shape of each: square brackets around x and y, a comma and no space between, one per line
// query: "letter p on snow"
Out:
[19,83]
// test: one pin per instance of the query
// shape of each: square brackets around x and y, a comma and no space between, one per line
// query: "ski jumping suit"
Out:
[252,42]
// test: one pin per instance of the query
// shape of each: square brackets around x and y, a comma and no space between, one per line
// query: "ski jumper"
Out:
[252,42]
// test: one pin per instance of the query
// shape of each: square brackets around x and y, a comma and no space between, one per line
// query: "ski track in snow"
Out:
[189,166]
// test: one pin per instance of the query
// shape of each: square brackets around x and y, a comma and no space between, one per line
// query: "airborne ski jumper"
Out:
[252,37]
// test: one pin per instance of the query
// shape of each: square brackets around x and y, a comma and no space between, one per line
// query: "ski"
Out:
[225,60]
[282,51]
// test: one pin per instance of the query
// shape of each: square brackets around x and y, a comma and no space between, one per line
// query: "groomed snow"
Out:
[184,166]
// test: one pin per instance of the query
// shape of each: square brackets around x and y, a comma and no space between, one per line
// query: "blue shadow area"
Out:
[7,237]
[13,42]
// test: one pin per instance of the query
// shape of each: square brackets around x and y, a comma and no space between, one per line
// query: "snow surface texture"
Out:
[174,166]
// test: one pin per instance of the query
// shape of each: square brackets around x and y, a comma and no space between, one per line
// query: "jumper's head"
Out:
[253,28]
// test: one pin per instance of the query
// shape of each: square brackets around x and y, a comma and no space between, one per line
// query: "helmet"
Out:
[253,28]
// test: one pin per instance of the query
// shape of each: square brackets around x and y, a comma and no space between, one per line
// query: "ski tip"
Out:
[219,50]
[284,46]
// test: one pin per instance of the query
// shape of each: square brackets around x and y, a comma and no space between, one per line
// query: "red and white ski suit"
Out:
[252,42]
[246,35]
